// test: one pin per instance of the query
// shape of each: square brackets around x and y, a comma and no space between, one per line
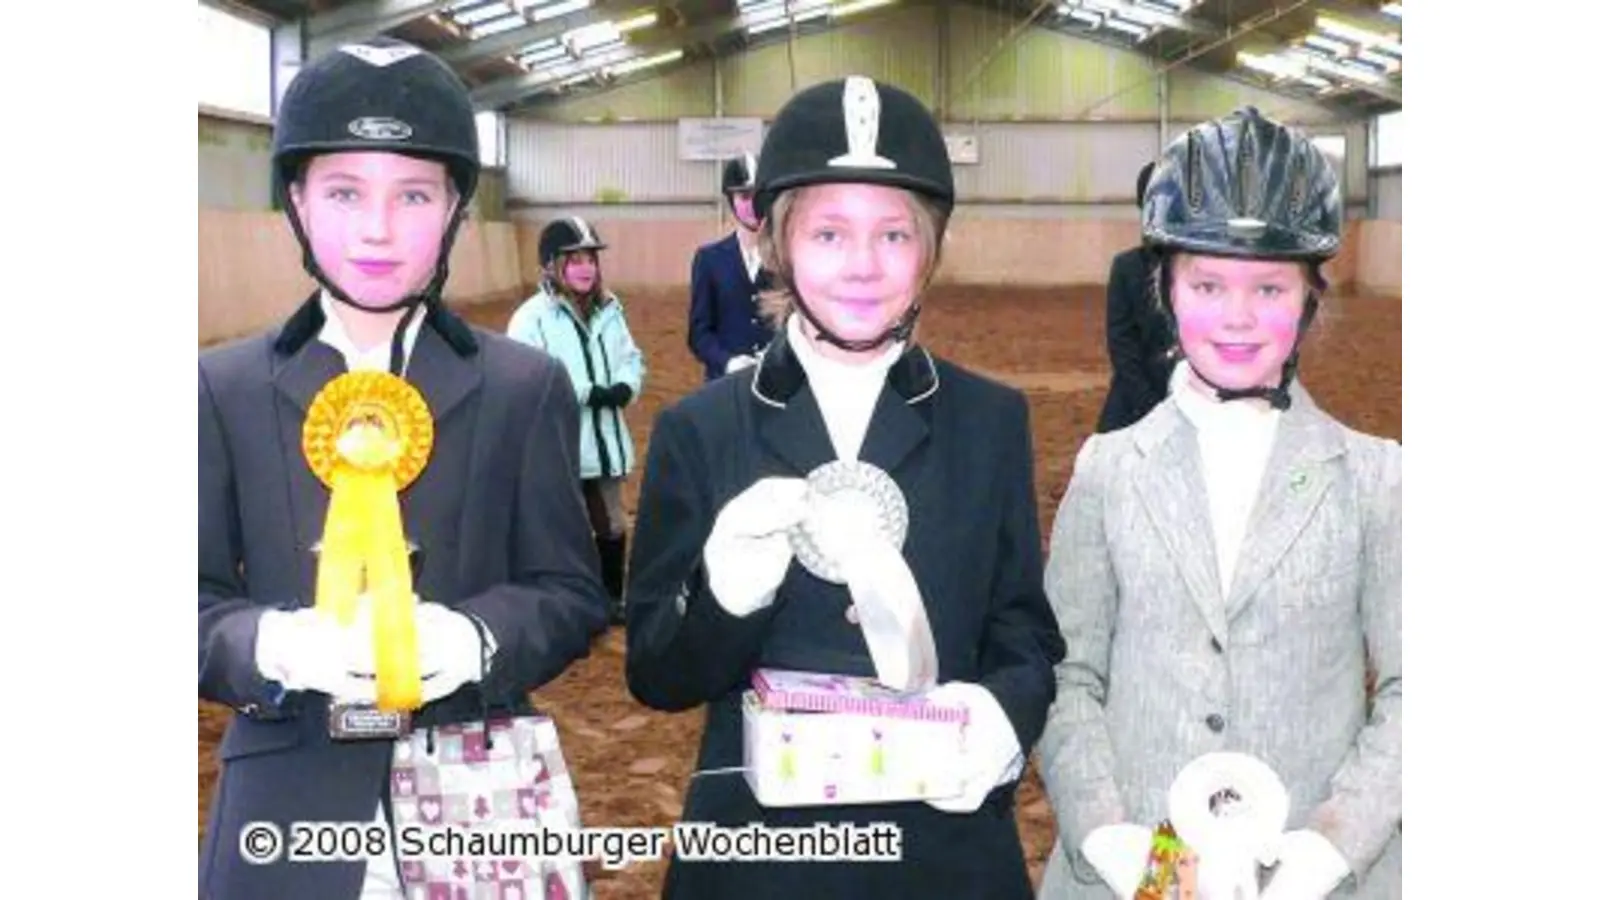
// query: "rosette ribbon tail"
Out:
[364,546]
[894,620]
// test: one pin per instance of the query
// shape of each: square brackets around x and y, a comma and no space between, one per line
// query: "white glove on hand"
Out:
[1120,853]
[992,756]
[1309,868]
[748,553]
[450,651]
[735,363]
[308,650]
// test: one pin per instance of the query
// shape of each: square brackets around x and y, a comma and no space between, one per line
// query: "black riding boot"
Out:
[613,561]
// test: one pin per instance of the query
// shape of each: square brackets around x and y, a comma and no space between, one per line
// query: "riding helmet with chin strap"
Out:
[380,95]
[1247,187]
[855,130]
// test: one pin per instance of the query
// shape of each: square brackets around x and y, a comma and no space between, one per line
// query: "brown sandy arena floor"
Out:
[630,763]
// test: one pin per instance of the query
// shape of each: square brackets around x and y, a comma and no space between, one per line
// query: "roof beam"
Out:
[508,42]
[505,91]
[1150,16]
[596,88]
[364,19]
[1362,17]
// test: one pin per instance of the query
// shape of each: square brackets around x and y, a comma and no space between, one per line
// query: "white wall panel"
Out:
[1385,187]
[567,163]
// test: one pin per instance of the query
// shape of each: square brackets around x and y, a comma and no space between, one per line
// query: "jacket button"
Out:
[1216,645]
[1214,722]
[851,616]
[249,709]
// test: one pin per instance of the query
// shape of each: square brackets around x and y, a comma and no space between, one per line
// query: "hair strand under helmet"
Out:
[1247,187]
[382,95]
[855,130]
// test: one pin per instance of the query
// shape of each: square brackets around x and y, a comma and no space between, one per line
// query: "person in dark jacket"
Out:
[1138,340]
[726,329]
[375,159]
[743,559]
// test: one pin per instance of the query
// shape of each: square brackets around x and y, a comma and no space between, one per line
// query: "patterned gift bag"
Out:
[467,782]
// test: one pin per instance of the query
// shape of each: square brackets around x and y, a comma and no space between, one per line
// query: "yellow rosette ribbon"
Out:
[367,436]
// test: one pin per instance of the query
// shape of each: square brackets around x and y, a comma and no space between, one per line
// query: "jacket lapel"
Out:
[896,429]
[792,427]
[796,434]
[298,379]
[1172,490]
[444,377]
[1297,476]
[303,374]
[899,422]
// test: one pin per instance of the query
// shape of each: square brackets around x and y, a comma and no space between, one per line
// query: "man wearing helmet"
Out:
[1137,340]
[726,330]
[375,159]
[1224,569]
[575,319]
[854,189]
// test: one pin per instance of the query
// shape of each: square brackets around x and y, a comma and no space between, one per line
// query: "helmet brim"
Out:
[1242,240]
[768,193]
[463,171]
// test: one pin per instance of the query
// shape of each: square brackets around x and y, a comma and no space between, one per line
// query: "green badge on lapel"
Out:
[1298,481]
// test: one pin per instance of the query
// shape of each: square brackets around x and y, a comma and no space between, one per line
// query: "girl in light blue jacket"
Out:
[575,319]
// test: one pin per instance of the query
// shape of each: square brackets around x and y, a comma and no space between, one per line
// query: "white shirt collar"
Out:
[355,359]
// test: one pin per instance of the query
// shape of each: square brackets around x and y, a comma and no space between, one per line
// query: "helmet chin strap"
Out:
[901,331]
[412,303]
[1278,396]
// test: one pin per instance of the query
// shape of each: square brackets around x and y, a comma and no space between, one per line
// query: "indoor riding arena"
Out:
[622,112]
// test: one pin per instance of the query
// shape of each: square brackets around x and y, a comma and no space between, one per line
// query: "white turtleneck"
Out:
[846,392]
[1235,442]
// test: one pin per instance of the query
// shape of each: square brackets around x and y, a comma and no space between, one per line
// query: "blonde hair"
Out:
[776,304]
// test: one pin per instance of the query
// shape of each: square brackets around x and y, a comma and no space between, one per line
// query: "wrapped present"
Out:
[813,739]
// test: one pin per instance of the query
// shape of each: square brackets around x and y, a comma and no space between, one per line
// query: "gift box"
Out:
[814,739]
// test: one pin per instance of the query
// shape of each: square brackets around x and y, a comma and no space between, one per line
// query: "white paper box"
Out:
[824,740]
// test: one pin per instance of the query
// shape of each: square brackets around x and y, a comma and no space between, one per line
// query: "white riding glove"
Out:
[992,756]
[450,652]
[1309,868]
[735,363]
[748,552]
[308,650]
[1120,854]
